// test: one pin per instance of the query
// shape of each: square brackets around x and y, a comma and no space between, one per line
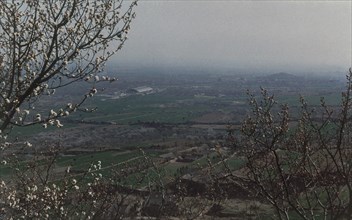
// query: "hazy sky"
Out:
[272,35]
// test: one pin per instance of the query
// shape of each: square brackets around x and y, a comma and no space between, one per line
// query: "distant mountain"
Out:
[282,76]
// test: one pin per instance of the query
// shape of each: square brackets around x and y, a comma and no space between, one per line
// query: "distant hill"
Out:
[280,79]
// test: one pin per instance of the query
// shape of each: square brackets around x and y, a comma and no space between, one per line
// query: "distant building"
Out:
[141,89]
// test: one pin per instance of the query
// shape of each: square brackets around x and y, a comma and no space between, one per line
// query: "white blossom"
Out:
[53,113]
[28,144]
[58,124]
[38,117]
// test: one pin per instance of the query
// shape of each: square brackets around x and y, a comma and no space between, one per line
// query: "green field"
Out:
[314,100]
[35,129]
[158,107]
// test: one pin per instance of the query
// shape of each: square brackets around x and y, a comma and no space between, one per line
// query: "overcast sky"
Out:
[273,35]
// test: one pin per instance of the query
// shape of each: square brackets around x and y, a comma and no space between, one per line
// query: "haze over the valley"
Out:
[257,35]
